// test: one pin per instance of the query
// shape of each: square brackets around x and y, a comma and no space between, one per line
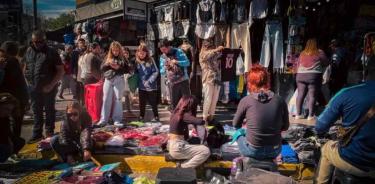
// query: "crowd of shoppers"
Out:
[32,76]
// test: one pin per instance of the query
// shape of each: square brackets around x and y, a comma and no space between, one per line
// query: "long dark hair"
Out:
[74,105]
[187,103]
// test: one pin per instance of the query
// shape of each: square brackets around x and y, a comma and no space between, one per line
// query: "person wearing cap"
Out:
[13,81]
[90,65]
[43,71]
[9,142]
[358,156]
[211,78]
[339,67]
[67,80]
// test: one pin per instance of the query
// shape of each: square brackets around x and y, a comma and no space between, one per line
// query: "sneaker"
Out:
[61,97]
[118,124]
[101,124]
[311,118]
[299,117]
[156,119]
[34,140]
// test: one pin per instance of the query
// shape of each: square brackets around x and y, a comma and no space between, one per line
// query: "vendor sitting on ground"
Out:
[266,116]
[183,115]
[75,135]
[358,156]
[9,143]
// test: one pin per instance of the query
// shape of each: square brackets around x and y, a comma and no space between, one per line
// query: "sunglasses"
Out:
[38,42]
[74,114]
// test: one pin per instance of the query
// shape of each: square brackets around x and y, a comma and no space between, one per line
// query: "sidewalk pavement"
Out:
[224,115]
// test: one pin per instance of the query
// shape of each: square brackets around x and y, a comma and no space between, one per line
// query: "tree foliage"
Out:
[59,22]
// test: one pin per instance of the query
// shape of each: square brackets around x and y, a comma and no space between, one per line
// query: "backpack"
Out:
[216,137]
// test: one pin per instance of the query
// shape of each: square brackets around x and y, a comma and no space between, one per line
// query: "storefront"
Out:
[271,33]
[120,20]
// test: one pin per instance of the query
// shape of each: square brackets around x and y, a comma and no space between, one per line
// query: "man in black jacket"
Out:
[43,71]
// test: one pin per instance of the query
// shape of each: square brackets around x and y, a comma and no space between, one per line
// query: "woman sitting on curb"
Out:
[266,116]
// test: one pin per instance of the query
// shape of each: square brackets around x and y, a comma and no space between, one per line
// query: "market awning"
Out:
[92,10]
[95,10]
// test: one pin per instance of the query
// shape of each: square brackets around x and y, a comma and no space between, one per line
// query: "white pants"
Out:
[211,95]
[196,154]
[240,36]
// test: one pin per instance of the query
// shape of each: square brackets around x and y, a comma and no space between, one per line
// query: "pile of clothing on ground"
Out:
[82,173]
[300,145]
[135,139]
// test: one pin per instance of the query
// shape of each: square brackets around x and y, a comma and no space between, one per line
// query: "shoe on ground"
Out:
[34,140]
[311,118]
[118,124]
[299,117]
[101,124]
[156,119]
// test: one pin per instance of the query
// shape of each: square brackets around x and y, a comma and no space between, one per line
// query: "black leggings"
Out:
[152,98]
[308,83]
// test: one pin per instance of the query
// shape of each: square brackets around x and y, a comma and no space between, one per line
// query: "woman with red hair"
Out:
[265,114]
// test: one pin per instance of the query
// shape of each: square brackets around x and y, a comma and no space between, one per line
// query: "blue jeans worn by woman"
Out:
[113,91]
[261,153]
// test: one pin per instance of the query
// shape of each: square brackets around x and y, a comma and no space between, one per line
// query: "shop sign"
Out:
[116,4]
[135,8]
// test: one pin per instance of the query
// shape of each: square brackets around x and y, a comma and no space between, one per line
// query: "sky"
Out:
[52,8]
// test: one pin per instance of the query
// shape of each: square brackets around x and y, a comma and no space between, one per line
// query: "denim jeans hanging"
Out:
[273,45]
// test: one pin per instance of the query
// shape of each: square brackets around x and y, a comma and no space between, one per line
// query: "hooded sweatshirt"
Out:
[266,116]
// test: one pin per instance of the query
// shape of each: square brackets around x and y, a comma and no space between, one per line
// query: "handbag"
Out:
[345,134]
[133,82]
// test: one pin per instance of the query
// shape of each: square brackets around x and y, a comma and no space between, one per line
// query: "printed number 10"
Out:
[229,62]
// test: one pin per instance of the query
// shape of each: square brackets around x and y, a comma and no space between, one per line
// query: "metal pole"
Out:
[123,10]
[20,25]
[35,14]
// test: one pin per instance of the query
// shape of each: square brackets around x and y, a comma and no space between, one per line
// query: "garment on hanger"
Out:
[272,45]
[153,17]
[258,10]
[240,11]
[182,10]
[168,13]
[159,15]
[206,11]
[240,37]
[181,29]
[222,37]
[274,9]
[228,62]
[295,39]
[224,7]
[150,32]
[165,30]
[206,19]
